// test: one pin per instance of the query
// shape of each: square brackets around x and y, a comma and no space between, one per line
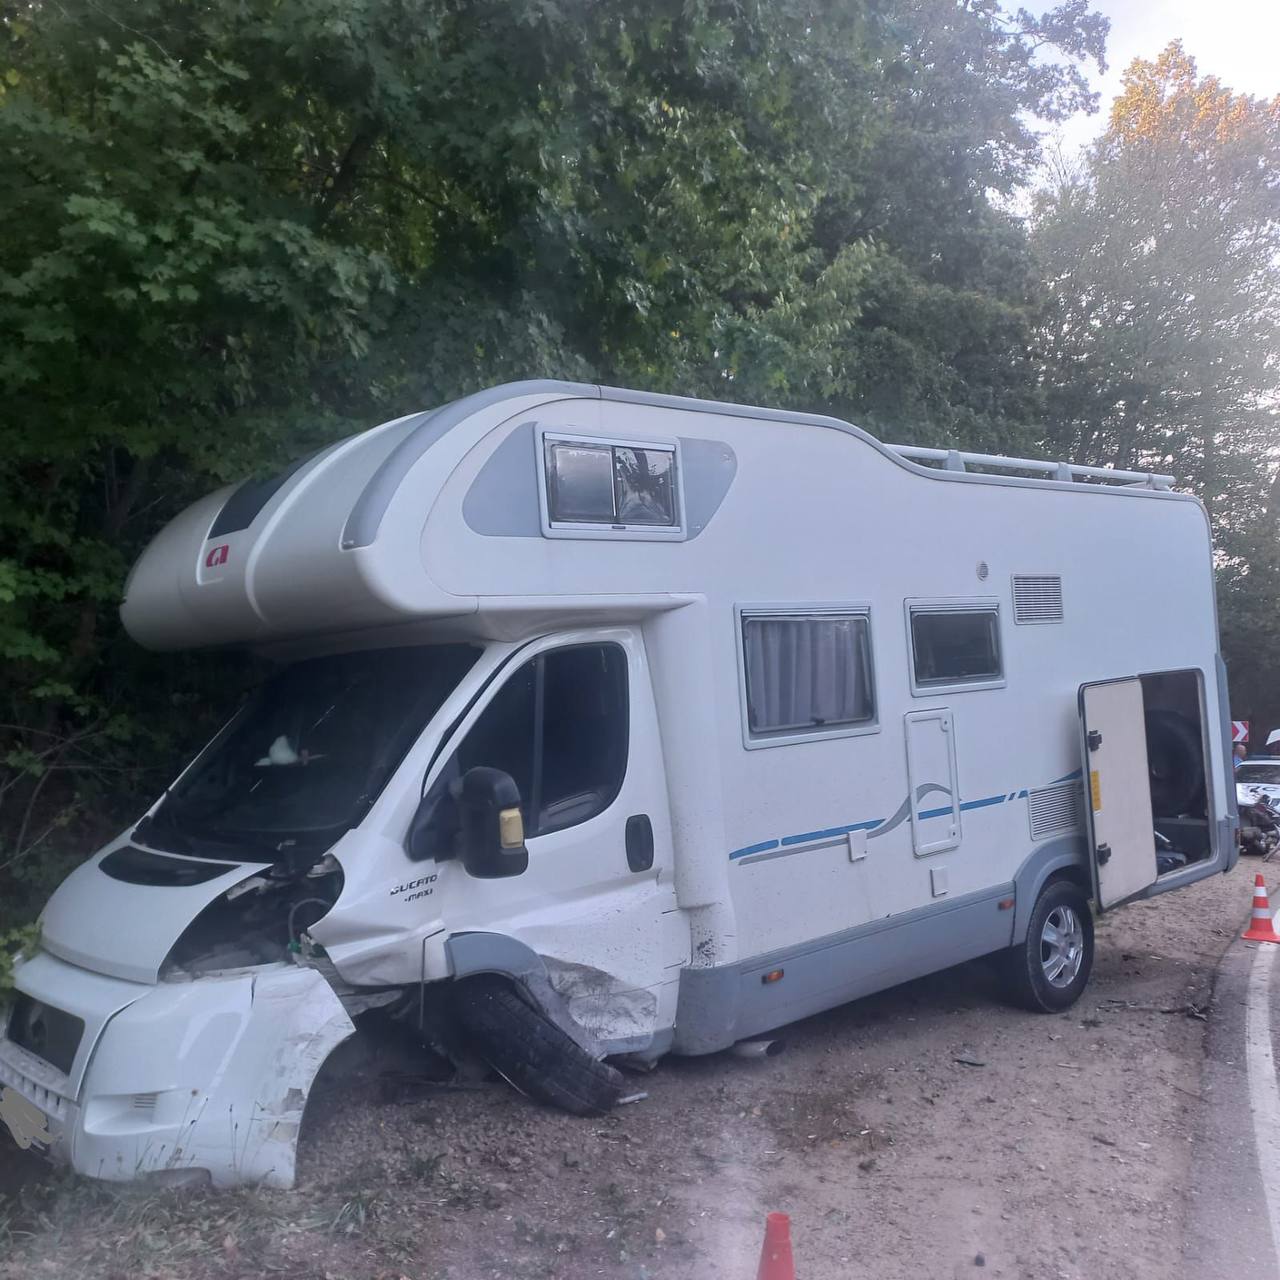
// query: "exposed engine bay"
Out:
[259,921]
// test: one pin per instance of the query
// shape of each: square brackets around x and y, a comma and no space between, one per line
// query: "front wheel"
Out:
[1049,971]
[530,1051]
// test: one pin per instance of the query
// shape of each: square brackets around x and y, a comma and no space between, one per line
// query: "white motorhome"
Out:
[612,724]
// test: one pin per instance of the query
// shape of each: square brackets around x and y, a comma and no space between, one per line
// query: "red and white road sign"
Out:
[1239,731]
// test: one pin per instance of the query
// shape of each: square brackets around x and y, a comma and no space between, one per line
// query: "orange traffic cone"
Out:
[1261,927]
[775,1258]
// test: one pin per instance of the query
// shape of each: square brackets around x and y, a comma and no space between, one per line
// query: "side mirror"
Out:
[492,828]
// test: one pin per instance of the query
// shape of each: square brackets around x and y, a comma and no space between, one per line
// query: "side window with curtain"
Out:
[560,727]
[807,674]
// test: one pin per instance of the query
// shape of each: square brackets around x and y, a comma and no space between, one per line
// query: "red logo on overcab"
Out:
[217,556]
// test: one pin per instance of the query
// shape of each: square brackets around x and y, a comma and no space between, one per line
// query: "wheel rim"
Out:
[1062,946]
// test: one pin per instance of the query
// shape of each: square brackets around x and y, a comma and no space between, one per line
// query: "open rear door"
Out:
[1117,789]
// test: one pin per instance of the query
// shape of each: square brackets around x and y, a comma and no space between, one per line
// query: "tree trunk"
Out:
[348,168]
[85,639]
[1209,479]
[1273,502]
[1127,439]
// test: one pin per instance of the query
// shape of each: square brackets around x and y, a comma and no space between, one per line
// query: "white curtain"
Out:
[804,673]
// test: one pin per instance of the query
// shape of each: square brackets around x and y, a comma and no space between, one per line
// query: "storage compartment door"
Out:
[1117,789]
[931,775]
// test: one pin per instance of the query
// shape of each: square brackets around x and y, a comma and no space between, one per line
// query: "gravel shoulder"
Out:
[928,1129]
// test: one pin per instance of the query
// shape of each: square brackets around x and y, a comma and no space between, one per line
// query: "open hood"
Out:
[121,912]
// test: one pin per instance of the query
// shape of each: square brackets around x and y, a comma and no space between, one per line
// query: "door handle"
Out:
[639,842]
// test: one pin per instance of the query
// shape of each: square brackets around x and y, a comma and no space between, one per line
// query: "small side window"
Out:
[807,675]
[955,645]
[601,487]
[644,482]
[580,483]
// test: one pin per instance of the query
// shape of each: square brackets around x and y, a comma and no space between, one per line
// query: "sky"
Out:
[1236,40]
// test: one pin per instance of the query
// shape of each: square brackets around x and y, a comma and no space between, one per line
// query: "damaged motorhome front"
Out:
[604,725]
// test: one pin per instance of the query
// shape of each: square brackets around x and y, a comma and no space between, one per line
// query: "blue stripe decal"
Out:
[764,847]
[932,813]
[831,833]
[982,804]
[804,838]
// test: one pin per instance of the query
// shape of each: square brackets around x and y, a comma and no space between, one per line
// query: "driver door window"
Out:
[559,727]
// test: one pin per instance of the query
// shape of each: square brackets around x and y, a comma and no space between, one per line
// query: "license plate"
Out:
[28,1124]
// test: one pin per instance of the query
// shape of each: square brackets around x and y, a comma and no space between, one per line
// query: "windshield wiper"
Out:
[178,837]
[164,815]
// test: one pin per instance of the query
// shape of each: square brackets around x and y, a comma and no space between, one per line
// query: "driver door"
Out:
[573,722]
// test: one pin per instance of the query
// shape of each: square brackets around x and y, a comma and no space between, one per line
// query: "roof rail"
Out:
[1069,472]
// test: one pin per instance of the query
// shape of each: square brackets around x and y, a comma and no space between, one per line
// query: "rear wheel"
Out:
[529,1051]
[1049,971]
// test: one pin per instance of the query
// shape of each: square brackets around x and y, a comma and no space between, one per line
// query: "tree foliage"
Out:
[1161,330]
[237,230]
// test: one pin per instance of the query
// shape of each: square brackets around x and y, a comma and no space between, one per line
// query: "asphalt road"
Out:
[1234,1229]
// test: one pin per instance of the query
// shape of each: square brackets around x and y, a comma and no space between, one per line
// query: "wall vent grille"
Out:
[1037,598]
[1055,810]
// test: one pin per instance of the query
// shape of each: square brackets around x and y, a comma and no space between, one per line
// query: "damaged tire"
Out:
[530,1052]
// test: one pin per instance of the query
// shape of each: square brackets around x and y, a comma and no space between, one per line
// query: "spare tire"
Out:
[530,1051]
[1175,762]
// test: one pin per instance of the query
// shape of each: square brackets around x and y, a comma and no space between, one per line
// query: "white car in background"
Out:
[1258,779]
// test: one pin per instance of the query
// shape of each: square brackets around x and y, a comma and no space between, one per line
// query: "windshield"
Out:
[313,747]
[1263,772]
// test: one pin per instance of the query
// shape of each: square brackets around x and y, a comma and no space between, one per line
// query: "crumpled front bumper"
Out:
[209,1075]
